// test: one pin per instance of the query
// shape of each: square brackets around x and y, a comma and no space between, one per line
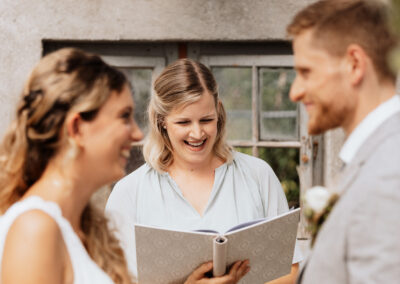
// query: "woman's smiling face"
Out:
[192,130]
[108,138]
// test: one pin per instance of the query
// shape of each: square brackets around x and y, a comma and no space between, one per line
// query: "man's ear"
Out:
[74,128]
[356,60]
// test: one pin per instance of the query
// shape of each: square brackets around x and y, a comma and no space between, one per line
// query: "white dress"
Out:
[245,190]
[86,271]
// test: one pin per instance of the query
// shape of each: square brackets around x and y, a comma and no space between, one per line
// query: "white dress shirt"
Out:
[369,124]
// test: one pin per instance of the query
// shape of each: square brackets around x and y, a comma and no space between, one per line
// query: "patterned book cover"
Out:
[168,256]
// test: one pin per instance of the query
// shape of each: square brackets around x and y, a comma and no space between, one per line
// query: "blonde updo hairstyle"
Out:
[63,82]
[180,84]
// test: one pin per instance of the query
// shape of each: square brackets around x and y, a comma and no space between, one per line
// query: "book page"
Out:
[167,256]
[246,224]
[269,245]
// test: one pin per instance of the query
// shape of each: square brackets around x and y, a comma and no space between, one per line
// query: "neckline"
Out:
[215,188]
[71,240]
[43,201]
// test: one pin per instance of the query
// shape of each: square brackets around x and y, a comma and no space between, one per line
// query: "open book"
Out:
[169,256]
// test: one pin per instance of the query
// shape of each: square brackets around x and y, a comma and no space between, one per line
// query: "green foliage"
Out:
[284,162]
[244,150]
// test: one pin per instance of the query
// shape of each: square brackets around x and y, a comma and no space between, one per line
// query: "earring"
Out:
[164,126]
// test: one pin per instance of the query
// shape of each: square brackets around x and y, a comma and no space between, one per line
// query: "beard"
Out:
[324,119]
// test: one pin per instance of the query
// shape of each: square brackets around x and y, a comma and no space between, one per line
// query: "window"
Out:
[254,81]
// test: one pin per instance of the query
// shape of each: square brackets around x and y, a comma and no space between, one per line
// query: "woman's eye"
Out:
[207,120]
[127,116]
[183,122]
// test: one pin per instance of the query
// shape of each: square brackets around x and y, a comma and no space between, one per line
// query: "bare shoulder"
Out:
[34,242]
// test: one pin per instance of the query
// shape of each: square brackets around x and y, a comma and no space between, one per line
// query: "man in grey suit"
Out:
[343,79]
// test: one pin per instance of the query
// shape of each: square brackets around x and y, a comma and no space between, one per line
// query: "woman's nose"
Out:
[196,131]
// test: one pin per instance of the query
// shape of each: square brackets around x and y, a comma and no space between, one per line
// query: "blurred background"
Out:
[243,42]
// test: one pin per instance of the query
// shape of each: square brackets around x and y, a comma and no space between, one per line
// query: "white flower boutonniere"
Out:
[318,203]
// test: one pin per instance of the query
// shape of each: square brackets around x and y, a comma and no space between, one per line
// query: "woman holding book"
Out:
[192,179]
[72,134]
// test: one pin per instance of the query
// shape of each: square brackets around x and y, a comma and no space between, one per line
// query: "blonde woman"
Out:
[72,134]
[192,179]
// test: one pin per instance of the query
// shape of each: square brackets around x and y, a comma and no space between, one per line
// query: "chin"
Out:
[315,131]
[321,126]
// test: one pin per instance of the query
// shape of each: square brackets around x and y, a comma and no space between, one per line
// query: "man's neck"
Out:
[369,98]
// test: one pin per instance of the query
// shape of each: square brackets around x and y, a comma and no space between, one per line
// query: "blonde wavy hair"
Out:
[181,83]
[66,81]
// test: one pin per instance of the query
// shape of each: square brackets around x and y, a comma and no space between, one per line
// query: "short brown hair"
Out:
[338,23]
[181,83]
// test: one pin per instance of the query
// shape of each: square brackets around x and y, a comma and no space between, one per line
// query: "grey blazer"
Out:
[360,241]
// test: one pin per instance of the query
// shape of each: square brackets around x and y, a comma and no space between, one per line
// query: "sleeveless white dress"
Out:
[86,271]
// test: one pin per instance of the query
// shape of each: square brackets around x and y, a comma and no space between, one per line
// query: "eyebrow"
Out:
[127,108]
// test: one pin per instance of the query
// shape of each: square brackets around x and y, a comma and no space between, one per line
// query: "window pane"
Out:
[235,92]
[140,78]
[279,115]
[284,162]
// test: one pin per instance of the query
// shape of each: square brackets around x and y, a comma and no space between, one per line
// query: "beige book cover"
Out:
[169,256]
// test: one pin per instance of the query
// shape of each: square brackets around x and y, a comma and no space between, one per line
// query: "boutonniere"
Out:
[318,203]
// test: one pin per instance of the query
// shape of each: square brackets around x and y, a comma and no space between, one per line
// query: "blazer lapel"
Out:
[347,177]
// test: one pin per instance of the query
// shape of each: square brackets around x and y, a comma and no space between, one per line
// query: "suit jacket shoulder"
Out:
[359,241]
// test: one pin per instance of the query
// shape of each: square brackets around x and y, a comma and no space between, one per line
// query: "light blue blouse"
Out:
[244,190]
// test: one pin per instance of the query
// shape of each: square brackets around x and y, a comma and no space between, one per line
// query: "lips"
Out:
[195,144]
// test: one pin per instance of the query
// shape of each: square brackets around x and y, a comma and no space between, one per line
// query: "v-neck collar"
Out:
[219,173]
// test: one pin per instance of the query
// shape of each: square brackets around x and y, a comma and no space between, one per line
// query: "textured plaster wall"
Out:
[25,23]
